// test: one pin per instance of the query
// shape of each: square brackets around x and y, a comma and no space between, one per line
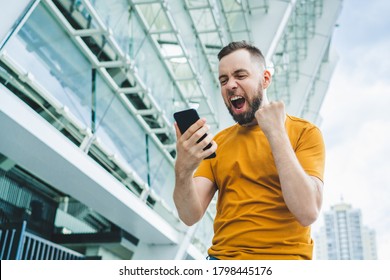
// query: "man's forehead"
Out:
[235,61]
[238,54]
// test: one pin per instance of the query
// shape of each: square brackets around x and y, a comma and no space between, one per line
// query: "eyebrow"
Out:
[234,73]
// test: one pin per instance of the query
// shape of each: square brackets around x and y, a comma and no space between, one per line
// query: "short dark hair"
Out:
[234,46]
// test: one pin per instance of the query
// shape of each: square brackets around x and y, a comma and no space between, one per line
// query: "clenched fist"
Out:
[271,117]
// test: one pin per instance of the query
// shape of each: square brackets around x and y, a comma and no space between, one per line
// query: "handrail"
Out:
[18,244]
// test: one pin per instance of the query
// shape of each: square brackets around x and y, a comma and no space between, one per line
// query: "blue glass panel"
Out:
[161,174]
[118,129]
[44,49]
[130,35]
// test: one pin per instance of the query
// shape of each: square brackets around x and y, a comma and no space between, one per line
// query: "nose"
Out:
[231,84]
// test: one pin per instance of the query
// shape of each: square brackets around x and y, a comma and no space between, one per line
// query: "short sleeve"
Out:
[310,151]
[205,170]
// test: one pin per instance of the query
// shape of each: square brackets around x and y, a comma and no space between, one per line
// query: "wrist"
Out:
[276,134]
[182,174]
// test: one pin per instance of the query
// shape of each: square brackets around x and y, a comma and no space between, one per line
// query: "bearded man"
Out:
[268,171]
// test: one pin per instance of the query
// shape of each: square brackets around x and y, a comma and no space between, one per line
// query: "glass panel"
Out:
[190,88]
[143,1]
[203,20]
[196,3]
[235,18]
[117,15]
[235,21]
[118,129]
[258,4]
[161,174]
[230,5]
[46,51]
[155,17]
[211,40]
[240,36]
[171,49]
[181,70]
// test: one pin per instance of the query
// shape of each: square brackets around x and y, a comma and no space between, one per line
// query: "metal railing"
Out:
[18,244]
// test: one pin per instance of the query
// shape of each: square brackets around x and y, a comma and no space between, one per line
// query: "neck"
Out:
[252,123]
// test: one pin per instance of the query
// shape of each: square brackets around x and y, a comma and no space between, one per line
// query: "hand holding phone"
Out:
[185,119]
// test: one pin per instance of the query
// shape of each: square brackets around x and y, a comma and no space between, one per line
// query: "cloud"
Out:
[358,169]
[356,130]
[362,23]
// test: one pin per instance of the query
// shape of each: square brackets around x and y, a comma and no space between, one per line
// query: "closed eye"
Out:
[223,81]
[241,74]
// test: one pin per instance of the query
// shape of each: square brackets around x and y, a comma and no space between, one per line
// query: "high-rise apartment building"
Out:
[344,237]
[88,89]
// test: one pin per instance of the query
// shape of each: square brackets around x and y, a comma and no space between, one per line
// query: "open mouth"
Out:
[237,101]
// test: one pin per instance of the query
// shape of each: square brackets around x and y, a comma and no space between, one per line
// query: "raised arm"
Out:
[192,195]
[302,193]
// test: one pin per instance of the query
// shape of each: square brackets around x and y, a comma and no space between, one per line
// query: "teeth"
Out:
[235,98]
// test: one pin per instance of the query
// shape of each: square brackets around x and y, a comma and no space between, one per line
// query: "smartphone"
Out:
[185,119]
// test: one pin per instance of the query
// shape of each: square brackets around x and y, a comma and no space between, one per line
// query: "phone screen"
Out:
[185,119]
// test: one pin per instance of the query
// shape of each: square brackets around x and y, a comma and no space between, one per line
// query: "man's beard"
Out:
[248,116]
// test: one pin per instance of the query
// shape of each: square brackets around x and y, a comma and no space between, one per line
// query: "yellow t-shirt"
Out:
[252,219]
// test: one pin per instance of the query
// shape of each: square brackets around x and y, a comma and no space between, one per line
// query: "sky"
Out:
[356,118]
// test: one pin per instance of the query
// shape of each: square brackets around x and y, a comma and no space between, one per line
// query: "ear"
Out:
[267,78]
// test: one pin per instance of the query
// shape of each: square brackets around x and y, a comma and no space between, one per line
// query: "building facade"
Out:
[88,89]
[344,237]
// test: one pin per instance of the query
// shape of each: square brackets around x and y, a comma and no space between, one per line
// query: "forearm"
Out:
[302,194]
[186,199]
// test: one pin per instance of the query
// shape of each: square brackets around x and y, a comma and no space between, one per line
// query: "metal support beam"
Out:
[123,62]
